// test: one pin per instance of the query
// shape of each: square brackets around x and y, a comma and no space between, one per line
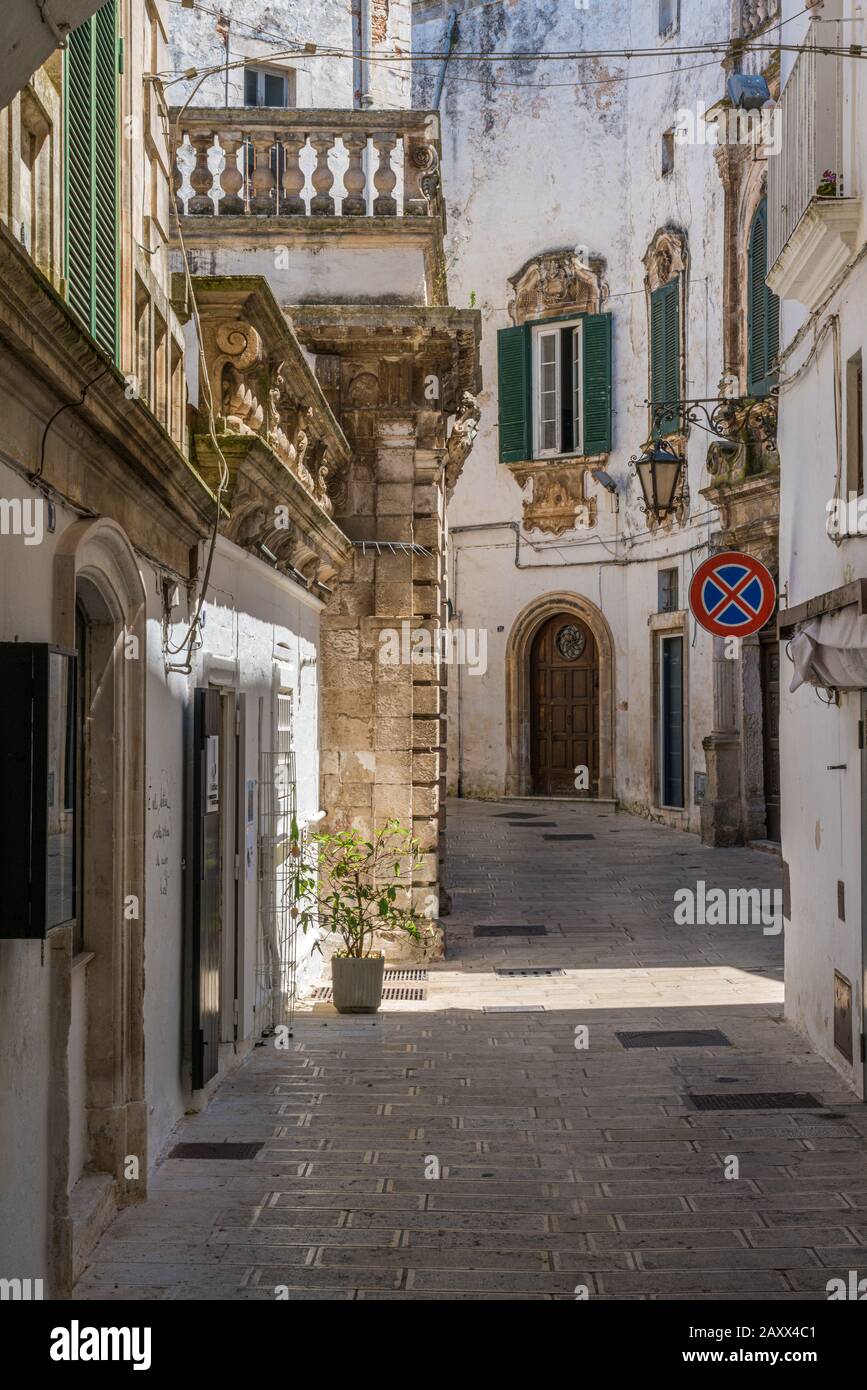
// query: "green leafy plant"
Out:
[827,187]
[348,885]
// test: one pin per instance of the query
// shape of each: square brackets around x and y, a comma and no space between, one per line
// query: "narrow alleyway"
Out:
[561,1166]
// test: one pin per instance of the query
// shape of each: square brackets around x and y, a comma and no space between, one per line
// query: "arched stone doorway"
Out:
[584,687]
[564,709]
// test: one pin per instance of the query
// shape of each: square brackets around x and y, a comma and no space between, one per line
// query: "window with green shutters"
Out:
[555,387]
[665,355]
[91,175]
[763,311]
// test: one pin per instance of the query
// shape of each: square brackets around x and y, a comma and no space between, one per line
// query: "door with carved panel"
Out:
[564,680]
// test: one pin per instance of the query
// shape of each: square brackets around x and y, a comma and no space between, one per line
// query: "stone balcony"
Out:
[328,205]
[265,429]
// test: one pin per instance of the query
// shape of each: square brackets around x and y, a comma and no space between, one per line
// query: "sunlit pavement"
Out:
[569,1164]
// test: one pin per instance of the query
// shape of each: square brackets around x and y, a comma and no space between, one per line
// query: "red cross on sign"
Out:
[732,595]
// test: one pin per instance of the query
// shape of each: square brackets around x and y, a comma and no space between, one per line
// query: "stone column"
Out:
[721,807]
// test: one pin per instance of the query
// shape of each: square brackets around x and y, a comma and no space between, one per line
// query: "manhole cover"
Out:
[568,837]
[528,970]
[684,1037]
[509,931]
[215,1150]
[758,1100]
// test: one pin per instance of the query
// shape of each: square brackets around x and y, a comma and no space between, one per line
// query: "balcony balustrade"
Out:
[264,161]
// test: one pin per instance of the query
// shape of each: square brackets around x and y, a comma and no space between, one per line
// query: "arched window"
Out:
[763,311]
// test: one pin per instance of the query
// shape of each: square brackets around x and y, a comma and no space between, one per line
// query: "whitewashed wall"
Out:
[527,170]
[822,820]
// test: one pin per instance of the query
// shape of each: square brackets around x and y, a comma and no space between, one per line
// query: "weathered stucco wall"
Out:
[530,166]
[822,767]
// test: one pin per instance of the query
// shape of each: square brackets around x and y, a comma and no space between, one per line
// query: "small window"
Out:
[178,393]
[667,163]
[763,311]
[161,367]
[269,87]
[557,357]
[669,17]
[667,590]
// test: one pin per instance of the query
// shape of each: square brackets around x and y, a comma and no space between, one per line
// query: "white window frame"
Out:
[555,329]
[289,85]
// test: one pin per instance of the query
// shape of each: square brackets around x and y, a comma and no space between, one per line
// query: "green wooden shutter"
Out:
[763,311]
[91,150]
[515,372]
[665,353]
[597,383]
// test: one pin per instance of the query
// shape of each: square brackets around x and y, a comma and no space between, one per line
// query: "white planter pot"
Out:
[357,983]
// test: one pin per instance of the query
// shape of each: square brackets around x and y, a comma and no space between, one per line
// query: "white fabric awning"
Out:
[831,652]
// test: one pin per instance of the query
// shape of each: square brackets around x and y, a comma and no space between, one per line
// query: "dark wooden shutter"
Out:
[91,149]
[665,353]
[763,311]
[206,934]
[597,383]
[515,371]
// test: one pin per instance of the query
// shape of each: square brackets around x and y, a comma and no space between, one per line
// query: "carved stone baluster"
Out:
[354,202]
[291,203]
[384,178]
[231,179]
[322,203]
[421,179]
[201,179]
[264,182]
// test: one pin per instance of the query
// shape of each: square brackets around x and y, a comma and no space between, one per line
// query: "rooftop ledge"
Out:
[817,250]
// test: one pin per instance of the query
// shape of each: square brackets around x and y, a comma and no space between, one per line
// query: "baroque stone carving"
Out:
[556,502]
[461,439]
[557,281]
[750,444]
[665,258]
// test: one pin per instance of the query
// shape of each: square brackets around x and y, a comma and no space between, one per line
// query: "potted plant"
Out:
[348,886]
[827,187]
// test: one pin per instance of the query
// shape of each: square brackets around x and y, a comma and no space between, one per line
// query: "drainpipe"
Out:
[451,40]
[365,100]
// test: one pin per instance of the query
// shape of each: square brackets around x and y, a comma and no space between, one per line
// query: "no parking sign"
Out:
[732,595]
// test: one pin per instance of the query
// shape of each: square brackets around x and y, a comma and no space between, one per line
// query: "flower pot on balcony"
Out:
[357,983]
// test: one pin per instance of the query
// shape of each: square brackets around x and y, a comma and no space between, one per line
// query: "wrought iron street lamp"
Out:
[658,470]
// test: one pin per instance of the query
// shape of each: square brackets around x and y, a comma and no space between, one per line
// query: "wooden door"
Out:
[769,649]
[564,678]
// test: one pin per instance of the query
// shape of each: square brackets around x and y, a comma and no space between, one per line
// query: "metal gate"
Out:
[206,932]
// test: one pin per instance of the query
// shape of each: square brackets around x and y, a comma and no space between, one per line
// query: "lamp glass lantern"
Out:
[658,472]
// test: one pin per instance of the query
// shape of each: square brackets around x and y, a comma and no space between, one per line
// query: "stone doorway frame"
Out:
[95,562]
[519,777]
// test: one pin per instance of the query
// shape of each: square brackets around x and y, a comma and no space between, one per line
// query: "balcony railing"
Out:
[756,14]
[810,162]
[266,161]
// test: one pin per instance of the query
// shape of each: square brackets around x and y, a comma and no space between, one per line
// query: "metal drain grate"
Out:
[534,825]
[215,1150]
[684,1037]
[509,931]
[758,1100]
[517,815]
[323,995]
[514,1009]
[393,977]
[568,837]
[528,970]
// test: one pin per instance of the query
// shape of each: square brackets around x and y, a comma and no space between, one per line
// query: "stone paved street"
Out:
[560,1166]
